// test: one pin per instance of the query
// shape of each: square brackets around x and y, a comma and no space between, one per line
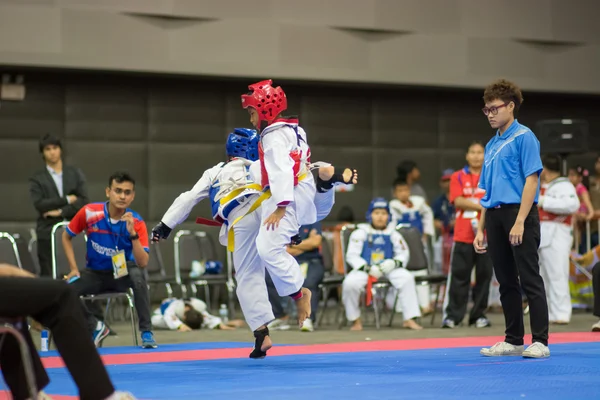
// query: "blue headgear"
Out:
[378,203]
[243,143]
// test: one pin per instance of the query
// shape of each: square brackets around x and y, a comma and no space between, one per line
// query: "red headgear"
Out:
[268,101]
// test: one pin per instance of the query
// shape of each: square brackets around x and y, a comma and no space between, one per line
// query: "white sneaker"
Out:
[537,350]
[482,323]
[307,326]
[596,327]
[278,325]
[502,349]
[121,396]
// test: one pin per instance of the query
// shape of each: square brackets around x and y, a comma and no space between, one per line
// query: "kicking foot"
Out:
[262,343]
[356,326]
[303,306]
[328,176]
[411,324]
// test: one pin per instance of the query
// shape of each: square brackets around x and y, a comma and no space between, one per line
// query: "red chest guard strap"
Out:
[296,155]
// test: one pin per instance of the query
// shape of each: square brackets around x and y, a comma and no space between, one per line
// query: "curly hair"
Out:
[504,90]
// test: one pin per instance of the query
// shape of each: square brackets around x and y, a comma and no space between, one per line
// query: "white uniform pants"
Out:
[554,268]
[250,270]
[324,203]
[423,291]
[401,279]
[271,245]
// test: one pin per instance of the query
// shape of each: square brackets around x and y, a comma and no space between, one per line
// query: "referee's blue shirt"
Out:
[509,159]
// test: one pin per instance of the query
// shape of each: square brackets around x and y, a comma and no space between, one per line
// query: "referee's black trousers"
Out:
[54,304]
[512,263]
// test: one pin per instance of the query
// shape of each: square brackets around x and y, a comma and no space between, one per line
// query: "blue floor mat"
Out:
[572,372]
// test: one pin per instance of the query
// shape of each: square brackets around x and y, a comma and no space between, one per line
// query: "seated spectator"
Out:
[309,258]
[407,208]
[409,172]
[56,306]
[117,249]
[376,249]
[412,210]
[443,209]
[185,315]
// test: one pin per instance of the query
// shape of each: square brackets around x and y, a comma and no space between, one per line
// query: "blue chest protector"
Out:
[377,247]
[165,304]
[214,204]
[412,218]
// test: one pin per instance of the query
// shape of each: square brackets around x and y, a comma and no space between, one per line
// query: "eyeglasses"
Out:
[493,110]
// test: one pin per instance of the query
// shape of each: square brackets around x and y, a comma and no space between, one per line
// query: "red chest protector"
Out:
[547,216]
[264,176]
[296,155]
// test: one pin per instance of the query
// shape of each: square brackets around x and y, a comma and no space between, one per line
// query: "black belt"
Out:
[506,206]
[509,206]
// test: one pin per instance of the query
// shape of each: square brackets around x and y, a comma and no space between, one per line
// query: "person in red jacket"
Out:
[465,195]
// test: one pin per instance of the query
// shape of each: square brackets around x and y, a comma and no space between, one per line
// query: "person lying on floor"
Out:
[189,314]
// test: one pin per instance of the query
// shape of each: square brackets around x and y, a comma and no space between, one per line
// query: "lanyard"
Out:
[114,235]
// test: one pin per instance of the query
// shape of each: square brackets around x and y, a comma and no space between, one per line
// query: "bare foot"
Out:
[426,311]
[350,176]
[267,344]
[411,324]
[356,326]
[303,305]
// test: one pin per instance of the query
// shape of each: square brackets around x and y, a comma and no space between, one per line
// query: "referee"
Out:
[510,177]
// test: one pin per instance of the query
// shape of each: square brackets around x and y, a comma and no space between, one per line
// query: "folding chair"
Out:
[28,263]
[332,279]
[60,267]
[10,326]
[155,272]
[419,261]
[195,246]
[9,252]
[32,248]
[378,289]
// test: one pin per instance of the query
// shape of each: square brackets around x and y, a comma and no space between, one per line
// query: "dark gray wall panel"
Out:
[99,160]
[42,111]
[183,165]
[187,114]
[99,112]
[167,131]
[20,159]
[337,121]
